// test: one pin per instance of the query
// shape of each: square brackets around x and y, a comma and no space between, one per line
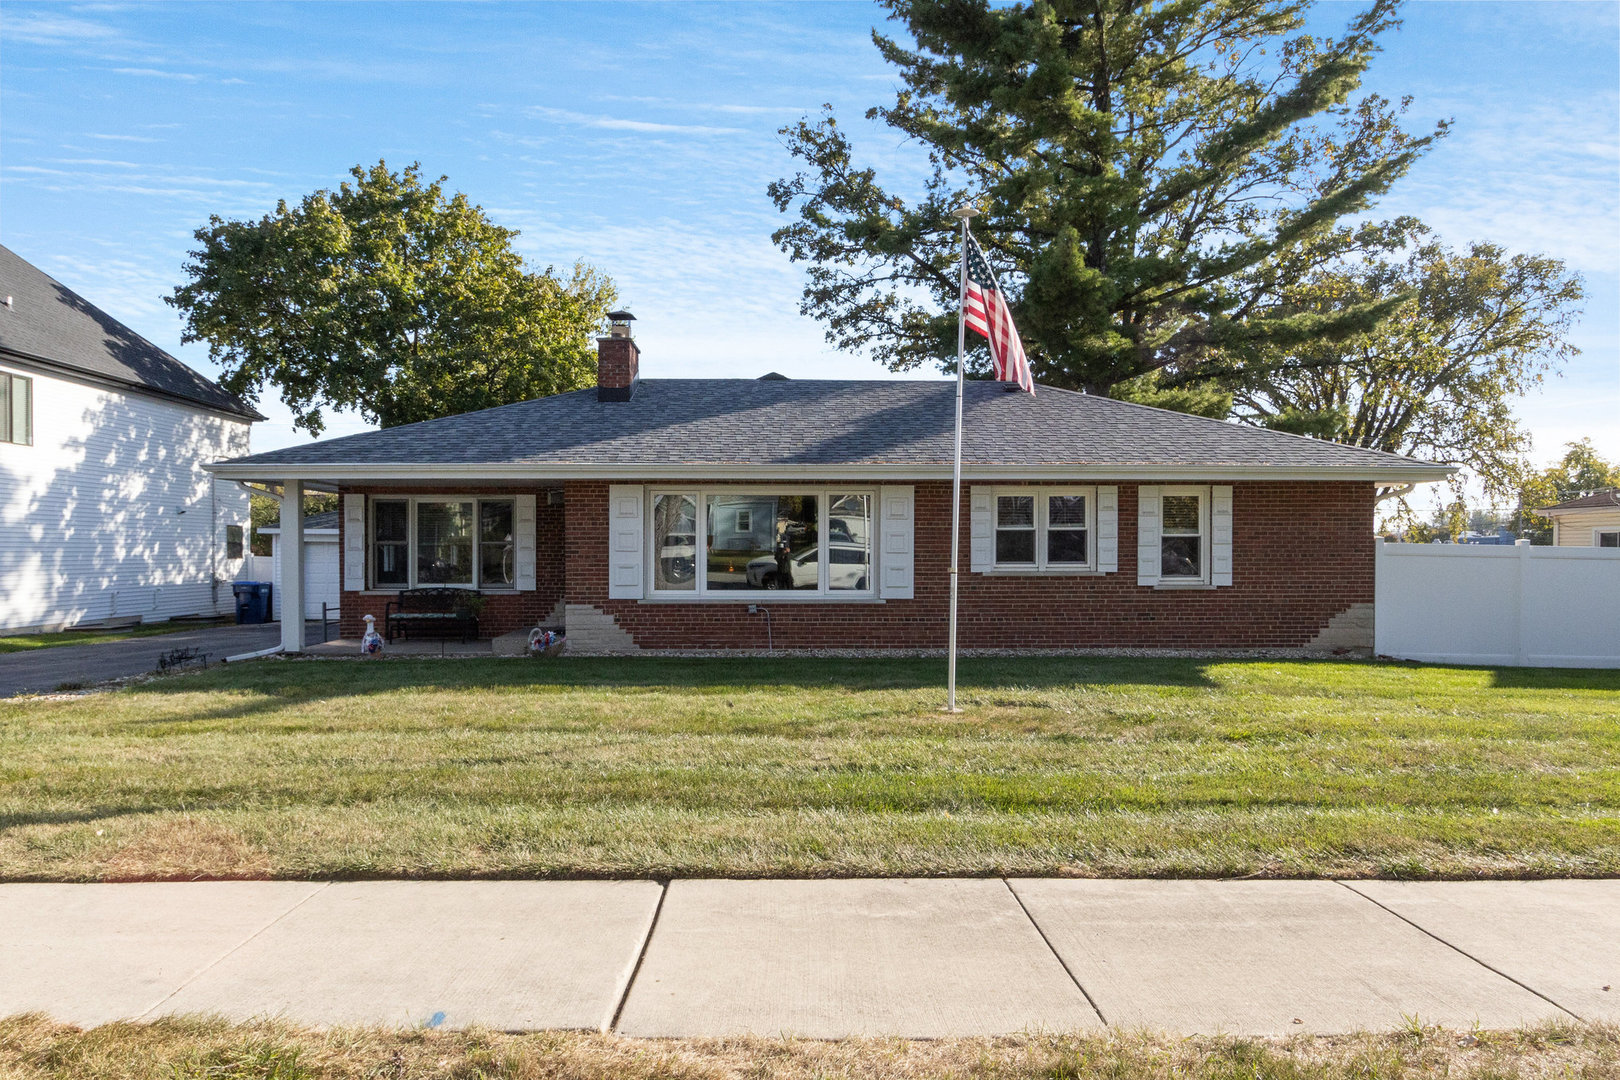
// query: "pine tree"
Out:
[1144,170]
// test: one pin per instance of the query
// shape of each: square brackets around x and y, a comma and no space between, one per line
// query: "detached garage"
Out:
[321,584]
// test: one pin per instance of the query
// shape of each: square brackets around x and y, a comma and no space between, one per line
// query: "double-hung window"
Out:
[1184,535]
[440,540]
[16,409]
[1045,529]
[729,541]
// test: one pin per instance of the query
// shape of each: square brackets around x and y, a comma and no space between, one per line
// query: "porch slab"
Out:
[89,954]
[510,955]
[1262,958]
[827,959]
[1559,938]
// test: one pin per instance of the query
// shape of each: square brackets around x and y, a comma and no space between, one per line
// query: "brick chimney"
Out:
[618,361]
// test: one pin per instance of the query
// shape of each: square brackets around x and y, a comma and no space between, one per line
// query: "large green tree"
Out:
[1437,378]
[388,297]
[1135,163]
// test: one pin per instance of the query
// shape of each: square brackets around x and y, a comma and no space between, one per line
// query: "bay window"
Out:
[439,540]
[730,541]
[1044,529]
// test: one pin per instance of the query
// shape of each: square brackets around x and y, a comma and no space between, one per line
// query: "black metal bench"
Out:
[437,613]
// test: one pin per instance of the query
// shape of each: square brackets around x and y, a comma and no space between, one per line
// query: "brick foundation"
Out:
[1302,574]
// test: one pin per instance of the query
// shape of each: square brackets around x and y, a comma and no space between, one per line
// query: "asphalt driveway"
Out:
[43,670]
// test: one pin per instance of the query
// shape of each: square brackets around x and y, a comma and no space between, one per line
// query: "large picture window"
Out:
[1044,529]
[729,541]
[430,541]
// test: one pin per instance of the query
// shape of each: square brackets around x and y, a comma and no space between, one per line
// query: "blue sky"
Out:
[640,138]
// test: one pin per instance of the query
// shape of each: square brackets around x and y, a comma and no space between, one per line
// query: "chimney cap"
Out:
[620,317]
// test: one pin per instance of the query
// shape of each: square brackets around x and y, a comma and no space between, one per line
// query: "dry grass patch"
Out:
[34,1048]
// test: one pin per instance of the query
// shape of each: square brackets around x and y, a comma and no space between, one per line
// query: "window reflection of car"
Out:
[847,569]
[677,556]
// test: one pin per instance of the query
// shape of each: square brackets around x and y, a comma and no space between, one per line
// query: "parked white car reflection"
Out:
[848,570]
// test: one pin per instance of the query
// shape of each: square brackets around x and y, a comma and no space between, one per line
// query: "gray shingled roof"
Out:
[50,323]
[811,422]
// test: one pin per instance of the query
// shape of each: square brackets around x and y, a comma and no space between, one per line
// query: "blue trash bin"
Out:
[252,601]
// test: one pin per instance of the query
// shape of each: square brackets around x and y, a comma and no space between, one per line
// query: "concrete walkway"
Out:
[919,958]
[39,671]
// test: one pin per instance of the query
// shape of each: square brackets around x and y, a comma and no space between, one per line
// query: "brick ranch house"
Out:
[732,513]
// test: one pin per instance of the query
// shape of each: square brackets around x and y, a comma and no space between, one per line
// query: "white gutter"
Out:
[413,472]
[252,655]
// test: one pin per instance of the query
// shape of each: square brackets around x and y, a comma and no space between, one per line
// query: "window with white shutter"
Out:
[523,542]
[625,541]
[897,560]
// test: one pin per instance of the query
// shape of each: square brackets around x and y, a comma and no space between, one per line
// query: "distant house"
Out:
[685,513]
[106,512]
[1589,521]
[321,583]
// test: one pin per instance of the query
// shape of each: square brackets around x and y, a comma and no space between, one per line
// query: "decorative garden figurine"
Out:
[371,642]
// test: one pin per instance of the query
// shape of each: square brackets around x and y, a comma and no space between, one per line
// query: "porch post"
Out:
[291,601]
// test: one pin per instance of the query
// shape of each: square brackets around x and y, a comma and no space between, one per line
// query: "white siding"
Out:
[90,516]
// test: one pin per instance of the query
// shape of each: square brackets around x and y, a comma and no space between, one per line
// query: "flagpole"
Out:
[963,213]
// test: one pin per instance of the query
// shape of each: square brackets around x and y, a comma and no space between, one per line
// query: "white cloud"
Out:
[613,123]
[121,138]
[155,73]
[53,29]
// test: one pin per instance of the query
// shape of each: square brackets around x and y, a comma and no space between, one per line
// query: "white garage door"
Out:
[320,577]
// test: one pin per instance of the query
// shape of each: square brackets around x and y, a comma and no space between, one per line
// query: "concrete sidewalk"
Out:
[919,958]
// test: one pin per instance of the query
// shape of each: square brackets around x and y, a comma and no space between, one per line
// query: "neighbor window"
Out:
[442,541]
[808,542]
[1606,539]
[233,541]
[1184,535]
[16,409]
[1044,529]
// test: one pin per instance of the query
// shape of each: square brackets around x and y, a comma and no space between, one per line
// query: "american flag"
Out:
[984,310]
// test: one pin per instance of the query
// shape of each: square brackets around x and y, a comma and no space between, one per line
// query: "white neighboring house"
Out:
[1590,521]
[106,513]
[321,583]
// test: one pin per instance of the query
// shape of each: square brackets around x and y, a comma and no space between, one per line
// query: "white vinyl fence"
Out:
[1475,604]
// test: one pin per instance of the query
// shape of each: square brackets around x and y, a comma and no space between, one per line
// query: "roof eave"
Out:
[269,472]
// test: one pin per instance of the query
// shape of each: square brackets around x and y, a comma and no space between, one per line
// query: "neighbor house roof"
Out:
[736,428]
[326,522]
[1598,500]
[49,324]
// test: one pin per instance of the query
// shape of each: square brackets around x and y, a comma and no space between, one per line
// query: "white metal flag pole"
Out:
[963,213]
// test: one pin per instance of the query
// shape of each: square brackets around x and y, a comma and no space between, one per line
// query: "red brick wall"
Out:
[1301,553]
[505,611]
[618,362]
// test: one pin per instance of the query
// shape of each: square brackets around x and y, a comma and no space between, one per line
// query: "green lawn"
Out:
[26,642]
[817,767]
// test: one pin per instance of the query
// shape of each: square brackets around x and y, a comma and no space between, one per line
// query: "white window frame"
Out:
[1599,534]
[822,592]
[411,502]
[8,427]
[1205,537]
[1042,565]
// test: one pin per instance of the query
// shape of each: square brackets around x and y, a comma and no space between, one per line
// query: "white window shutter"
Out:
[1148,556]
[897,513]
[1220,535]
[625,541]
[354,542]
[523,543]
[981,529]
[1107,530]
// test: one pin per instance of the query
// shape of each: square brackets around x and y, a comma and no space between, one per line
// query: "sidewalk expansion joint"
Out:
[1463,952]
[1067,970]
[641,957]
[232,951]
